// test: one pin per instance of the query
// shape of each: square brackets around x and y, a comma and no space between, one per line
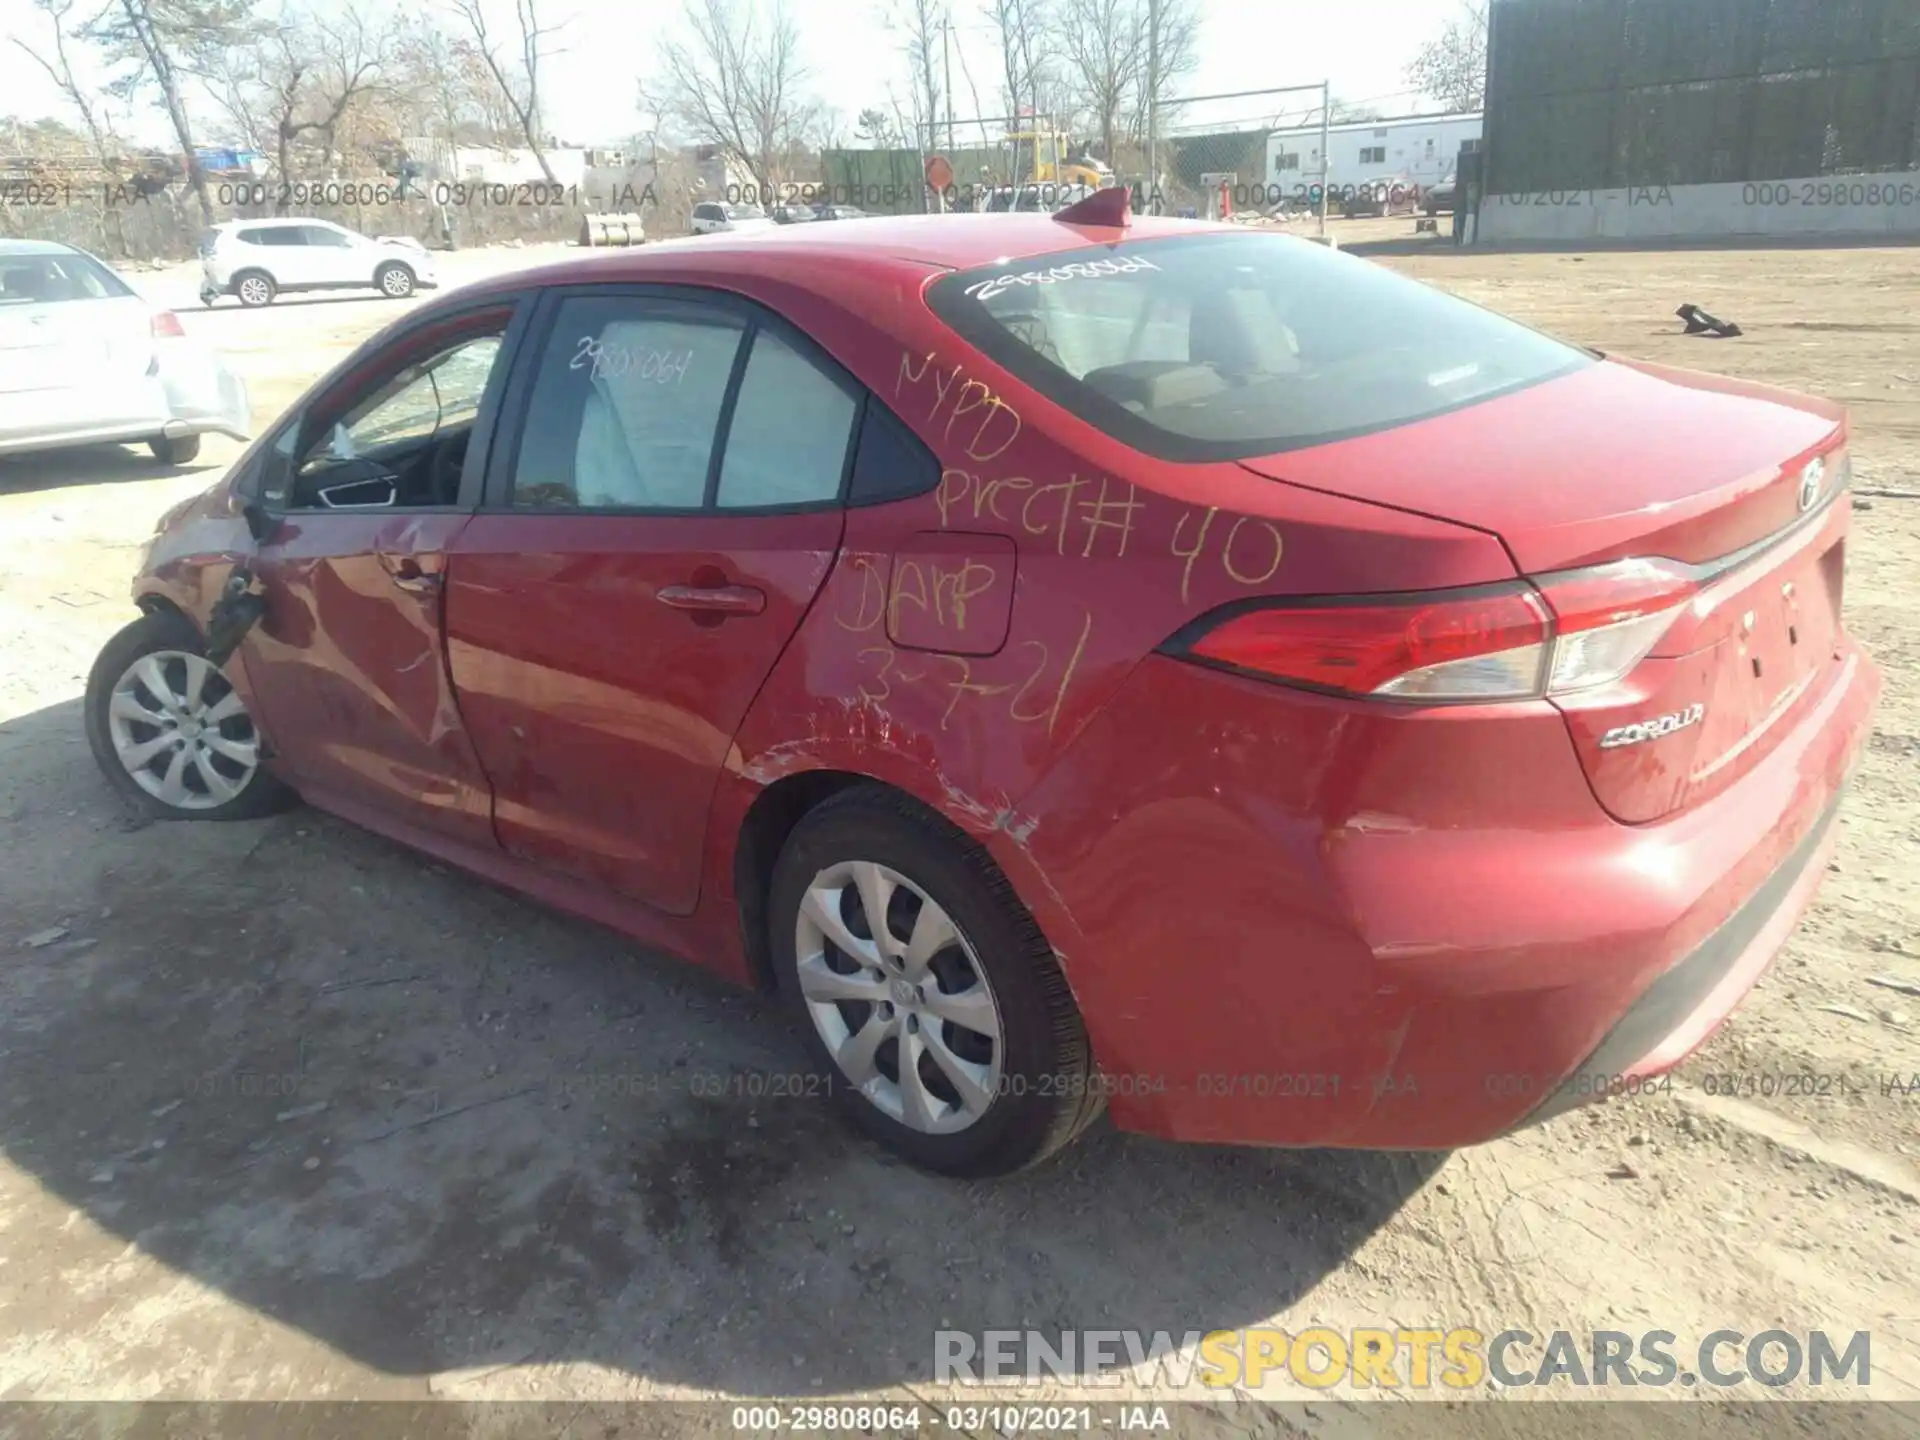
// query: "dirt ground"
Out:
[287,1112]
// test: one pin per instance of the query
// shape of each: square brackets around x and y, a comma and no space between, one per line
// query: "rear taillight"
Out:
[1486,645]
[1506,642]
[1607,620]
[167,326]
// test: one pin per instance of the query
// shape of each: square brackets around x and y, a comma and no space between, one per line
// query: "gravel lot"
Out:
[287,1112]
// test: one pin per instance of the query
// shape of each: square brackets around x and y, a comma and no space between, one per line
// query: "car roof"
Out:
[879,253]
[37,247]
[957,241]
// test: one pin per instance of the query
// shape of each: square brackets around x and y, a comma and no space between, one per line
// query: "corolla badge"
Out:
[1656,729]
[1811,479]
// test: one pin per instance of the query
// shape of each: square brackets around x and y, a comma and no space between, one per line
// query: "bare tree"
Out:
[519,81]
[1452,66]
[298,79]
[1105,43]
[59,68]
[922,26]
[1175,49]
[878,128]
[58,64]
[162,43]
[441,87]
[1023,29]
[737,83]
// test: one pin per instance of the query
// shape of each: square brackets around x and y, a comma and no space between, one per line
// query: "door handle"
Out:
[714,599]
[420,574]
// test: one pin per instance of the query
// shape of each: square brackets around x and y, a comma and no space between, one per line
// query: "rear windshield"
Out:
[42,279]
[1223,347]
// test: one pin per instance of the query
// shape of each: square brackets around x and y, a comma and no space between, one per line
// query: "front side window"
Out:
[400,440]
[320,235]
[1220,347]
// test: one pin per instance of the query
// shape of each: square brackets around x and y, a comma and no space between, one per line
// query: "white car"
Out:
[259,259]
[85,361]
[712,217]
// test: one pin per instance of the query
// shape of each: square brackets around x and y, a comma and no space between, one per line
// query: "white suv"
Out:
[257,259]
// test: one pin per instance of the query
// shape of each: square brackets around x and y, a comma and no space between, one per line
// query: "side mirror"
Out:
[260,524]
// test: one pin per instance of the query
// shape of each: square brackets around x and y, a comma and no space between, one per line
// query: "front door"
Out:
[646,552]
[348,662]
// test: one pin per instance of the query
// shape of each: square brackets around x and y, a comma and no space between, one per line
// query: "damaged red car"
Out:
[1079,662]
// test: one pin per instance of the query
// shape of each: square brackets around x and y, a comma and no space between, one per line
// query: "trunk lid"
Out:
[1625,460]
[1614,459]
[70,344]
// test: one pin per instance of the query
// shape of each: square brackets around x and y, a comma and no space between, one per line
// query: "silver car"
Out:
[86,361]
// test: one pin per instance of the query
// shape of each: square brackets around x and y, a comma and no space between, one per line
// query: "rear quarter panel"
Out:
[1112,553]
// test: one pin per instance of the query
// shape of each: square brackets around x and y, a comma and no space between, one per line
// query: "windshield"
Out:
[745,212]
[1223,347]
[45,279]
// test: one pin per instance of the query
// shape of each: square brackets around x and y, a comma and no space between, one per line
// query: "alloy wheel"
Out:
[181,731]
[255,291]
[899,997]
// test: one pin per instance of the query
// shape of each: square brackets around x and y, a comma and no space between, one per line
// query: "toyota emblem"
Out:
[1810,480]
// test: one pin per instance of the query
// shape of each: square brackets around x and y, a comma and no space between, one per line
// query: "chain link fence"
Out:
[126,219]
[1241,155]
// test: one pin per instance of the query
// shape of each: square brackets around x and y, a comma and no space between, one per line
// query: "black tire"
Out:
[160,631]
[1048,1092]
[180,451]
[393,280]
[255,288]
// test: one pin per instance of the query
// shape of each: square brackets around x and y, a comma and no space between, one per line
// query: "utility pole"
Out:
[1153,106]
[1326,139]
[946,57]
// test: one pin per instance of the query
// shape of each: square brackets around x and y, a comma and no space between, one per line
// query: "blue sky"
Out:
[1362,46]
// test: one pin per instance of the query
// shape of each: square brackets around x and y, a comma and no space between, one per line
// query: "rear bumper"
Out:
[1313,923]
[1687,1003]
[194,393]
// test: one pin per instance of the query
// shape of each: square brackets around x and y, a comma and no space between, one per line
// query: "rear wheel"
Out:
[394,280]
[177,451]
[169,731]
[255,289]
[930,1002]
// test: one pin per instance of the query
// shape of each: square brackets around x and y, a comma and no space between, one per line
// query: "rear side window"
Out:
[791,426]
[627,405]
[1222,347]
[272,235]
[892,462]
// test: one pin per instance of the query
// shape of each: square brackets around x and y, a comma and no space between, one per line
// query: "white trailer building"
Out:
[1419,149]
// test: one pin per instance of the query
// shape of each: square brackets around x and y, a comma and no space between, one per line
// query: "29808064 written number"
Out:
[1831,192]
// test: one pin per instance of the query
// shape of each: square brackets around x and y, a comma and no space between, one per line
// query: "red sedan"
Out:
[1075,663]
